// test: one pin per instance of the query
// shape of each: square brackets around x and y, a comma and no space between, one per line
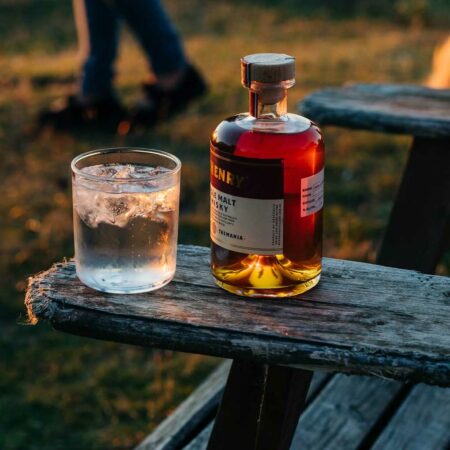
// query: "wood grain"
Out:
[362,318]
[406,109]
[421,423]
[344,412]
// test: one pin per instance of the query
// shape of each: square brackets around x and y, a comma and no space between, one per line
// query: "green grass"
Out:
[59,391]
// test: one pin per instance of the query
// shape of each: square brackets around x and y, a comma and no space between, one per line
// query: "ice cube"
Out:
[101,170]
[123,171]
[116,203]
[147,171]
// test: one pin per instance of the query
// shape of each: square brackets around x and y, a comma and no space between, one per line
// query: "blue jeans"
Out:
[147,20]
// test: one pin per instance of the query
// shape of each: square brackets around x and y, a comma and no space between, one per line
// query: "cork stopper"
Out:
[267,68]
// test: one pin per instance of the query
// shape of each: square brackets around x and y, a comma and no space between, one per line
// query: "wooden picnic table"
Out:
[362,318]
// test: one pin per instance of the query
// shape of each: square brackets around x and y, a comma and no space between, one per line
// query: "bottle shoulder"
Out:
[287,124]
[242,130]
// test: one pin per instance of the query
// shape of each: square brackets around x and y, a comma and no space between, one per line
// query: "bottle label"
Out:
[311,197]
[247,205]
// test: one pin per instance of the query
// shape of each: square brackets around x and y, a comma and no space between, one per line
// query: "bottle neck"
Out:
[268,104]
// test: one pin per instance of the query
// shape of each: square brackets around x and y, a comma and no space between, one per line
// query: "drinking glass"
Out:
[125,212]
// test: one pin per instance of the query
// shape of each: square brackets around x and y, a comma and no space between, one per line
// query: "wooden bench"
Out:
[419,226]
[383,323]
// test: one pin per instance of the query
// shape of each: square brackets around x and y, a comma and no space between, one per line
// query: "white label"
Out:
[311,194]
[247,225]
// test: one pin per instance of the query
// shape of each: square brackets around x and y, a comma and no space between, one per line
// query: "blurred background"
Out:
[59,391]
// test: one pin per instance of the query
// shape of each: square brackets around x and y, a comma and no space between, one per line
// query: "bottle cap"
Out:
[267,68]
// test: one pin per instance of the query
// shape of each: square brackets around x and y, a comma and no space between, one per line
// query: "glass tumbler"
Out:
[125,213]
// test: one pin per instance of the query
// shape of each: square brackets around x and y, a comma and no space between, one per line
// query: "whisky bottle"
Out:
[266,172]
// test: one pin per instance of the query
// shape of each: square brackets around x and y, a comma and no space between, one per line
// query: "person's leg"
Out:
[94,104]
[99,33]
[157,35]
[178,83]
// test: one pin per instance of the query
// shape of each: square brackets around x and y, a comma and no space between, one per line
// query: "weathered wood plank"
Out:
[201,441]
[406,109]
[418,227]
[421,423]
[361,318]
[190,416]
[348,407]
[318,382]
[344,412]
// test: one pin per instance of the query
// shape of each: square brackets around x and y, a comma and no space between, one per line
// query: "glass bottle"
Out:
[266,172]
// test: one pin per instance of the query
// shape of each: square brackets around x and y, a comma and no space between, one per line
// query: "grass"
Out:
[60,391]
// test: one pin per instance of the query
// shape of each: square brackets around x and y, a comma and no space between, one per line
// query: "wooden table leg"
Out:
[236,424]
[416,235]
[260,408]
[284,401]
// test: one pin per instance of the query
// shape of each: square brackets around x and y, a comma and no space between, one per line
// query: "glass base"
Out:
[122,286]
[286,291]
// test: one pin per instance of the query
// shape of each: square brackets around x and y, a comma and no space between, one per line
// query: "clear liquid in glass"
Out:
[125,232]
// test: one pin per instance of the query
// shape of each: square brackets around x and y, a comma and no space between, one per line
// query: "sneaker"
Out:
[104,114]
[159,105]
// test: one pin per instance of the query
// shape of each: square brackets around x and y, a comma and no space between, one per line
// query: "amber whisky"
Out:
[267,172]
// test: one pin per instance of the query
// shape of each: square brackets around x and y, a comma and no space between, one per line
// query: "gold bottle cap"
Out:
[267,68]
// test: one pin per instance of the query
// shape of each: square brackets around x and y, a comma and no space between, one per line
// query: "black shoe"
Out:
[104,114]
[160,104]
